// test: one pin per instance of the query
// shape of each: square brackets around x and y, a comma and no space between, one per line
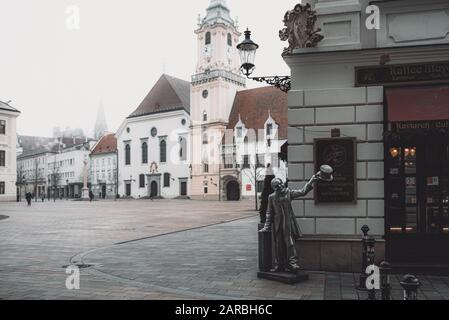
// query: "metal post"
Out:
[363,276]
[370,255]
[410,284]
[385,286]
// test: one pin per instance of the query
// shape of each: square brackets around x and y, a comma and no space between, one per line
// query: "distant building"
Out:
[8,162]
[152,143]
[103,167]
[32,171]
[65,171]
[101,127]
[256,132]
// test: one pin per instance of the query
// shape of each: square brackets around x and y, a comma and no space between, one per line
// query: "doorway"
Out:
[417,201]
[233,191]
[154,189]
[103,191]
[128,189]
[183,188]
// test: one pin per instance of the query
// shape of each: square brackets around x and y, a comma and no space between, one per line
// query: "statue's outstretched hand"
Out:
[265,229]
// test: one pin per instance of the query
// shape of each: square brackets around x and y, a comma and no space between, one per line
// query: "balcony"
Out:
[217,74]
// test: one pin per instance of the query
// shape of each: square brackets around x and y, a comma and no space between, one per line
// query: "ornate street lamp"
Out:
[247,50]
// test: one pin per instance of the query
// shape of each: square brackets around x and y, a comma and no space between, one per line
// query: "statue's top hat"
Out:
[326,173]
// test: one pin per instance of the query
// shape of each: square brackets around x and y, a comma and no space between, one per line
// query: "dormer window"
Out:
[208,38]
[269,129]
[239,132]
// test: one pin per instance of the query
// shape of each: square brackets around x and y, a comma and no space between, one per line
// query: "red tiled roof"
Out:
[107,144]
[255,105]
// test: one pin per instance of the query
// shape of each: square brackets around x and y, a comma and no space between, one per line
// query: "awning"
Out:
[418,103]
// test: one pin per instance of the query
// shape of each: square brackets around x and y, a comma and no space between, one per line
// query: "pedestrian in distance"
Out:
[28,197]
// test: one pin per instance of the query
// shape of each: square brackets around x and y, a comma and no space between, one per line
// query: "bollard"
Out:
[385,286]
[368,244]
[410,284]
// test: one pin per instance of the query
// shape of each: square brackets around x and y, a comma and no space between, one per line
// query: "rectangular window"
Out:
[2,187]
[2,126]
[206,190]
[142,181]
[206,168]
[239,132]
[260,160]
[166,180]
[2,158]
[245,161]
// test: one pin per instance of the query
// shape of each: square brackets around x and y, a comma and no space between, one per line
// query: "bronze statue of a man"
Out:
[286,230]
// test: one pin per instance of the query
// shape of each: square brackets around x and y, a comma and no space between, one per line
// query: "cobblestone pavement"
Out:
[220,262]
[36,242]
[152,250]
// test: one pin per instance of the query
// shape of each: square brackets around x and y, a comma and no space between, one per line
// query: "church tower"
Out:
[100,124]
[213,90]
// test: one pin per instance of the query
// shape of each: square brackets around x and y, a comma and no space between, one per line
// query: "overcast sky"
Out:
[57,77]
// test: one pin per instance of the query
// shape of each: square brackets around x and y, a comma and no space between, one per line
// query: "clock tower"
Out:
[213,90]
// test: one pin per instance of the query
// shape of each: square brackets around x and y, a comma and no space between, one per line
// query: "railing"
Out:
[215,74]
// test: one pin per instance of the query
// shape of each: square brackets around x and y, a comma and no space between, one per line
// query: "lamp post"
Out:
[247,50]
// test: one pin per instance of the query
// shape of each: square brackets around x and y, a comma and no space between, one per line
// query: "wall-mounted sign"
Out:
[340,154]
[401,73]
[248,187]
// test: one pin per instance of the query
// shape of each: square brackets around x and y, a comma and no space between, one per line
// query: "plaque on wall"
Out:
[401,74]
[340,154]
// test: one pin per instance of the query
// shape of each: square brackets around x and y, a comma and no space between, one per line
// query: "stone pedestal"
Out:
[284,277]
[265,250]
[85,194]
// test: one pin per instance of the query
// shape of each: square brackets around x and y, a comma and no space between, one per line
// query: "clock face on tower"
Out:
[207,51]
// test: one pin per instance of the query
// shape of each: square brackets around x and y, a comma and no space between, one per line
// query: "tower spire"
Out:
[100,124]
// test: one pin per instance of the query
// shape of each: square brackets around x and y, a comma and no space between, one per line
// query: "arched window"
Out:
[163,151]
[229,40]
[208,38]
[166,180]
[127,155]
[204,116]
[205,138]
[144,152]
[182,148]
[142,181]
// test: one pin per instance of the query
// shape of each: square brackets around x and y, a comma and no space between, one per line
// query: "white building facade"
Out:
[103,168]
[255,135]
[153,142]
[65,171]
[32,172]
[8,161]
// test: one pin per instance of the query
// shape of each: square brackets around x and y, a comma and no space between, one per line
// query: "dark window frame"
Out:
[163,151]
[142,181]
[127,154]
[208,38]
[2,187]
[167,178]
[144,149]
[2,126]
